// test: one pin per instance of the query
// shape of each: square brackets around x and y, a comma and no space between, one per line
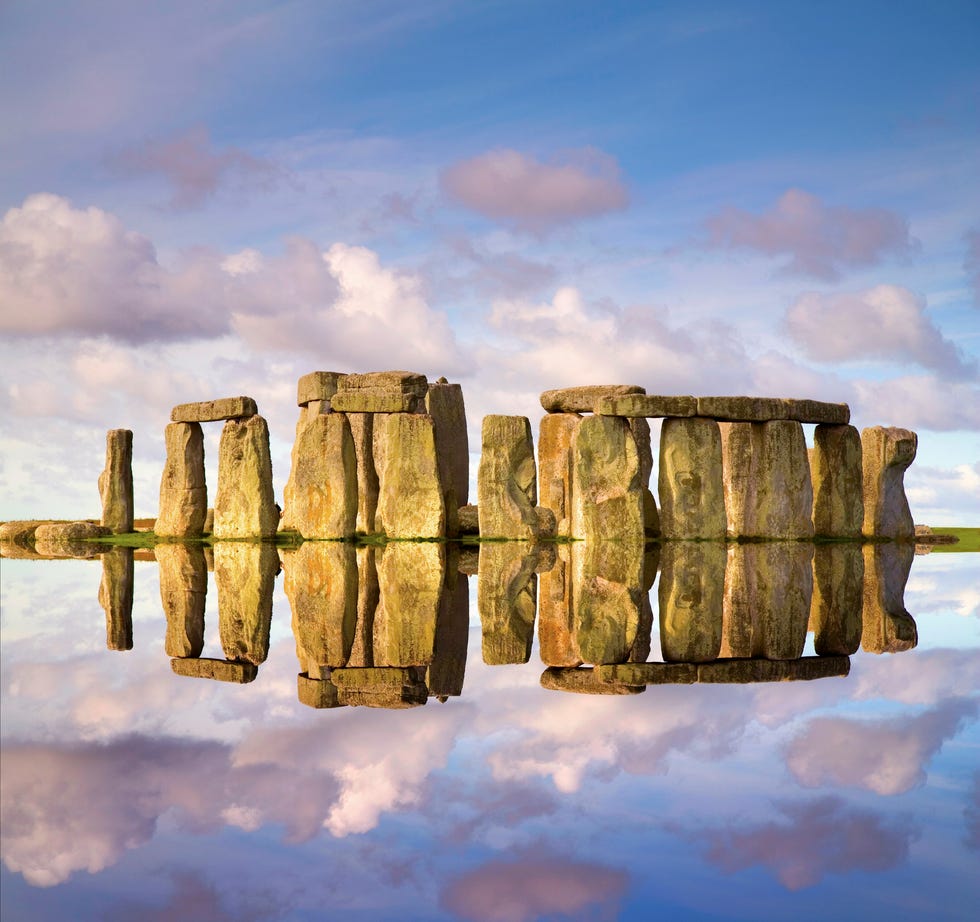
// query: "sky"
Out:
[203,200]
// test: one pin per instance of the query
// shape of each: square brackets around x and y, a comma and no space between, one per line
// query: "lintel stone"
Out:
[222,670]
[647,405]
[583,399]
[208,411]
[376,400]
[741,409]
[406,382]
[318,385]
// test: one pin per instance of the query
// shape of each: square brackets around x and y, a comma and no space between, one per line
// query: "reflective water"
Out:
[587,731]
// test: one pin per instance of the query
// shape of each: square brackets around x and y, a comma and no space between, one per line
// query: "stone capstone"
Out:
[318,386]
[647,405]
[116,482]
[583,399]
[183,492]
[584,682]
[209,411]
[218,669]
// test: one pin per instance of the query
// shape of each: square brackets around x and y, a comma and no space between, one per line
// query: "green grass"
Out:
[969,540]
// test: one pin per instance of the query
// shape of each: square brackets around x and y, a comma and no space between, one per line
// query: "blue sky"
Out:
[208,199]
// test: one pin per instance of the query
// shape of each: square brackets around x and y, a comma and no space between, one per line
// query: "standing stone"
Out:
[691,596]
[507,599]
[886,455]
[362,427]
[738,459]
[183,593]
[555,437]
[651,515]
[307,411]
[607,499]
[838,586]
[245,574]
[887,626]
[368,597]
[410,580]
[506,482]
[448,667]
[838,490]
[116,482]
[556,628]
[116,597]
[183,492]
[245,505]
[692,496]
[324,494]
[320,581]
[444,403]
[411,503]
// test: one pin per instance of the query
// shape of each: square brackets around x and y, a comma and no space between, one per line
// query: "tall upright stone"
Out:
[507,600]
[362,427]
[555,435]
[183,575]
[448,667]
[886,455]
[640,428]
[691,595]
[411,501]
[368,598]
[116,482]
[183,491]
[837,476]
[838,588]
[607,498]
[692,496]
[411,577]
[116,597]
[444,403]
[324,495]
[507,479]
[245,505]
[245,574]
[887,626]
[556,625]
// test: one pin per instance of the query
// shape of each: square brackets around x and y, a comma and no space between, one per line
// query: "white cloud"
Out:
[919,402]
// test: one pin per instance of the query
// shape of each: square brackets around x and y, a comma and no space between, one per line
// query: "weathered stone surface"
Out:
[183,592]
[368,400]
[744,671]
[506,482]
[768,589]
[691,595]
[306,413]
[887,626]
[411,501]
[209,411]
[651,515]
[318,385]
[245,505]
[317,693]
[468,520]
[69,539]
[583,399]
[838,587]
[507,599]
[219,669]
[448,667]
[209,521]
[556,620]
[766,480]
[183,491]
[368,597]
[886,455]
[648,673]
[817,411]
[19,534]
[320,581]
[116,482]
[555,436]
[324,494]
[741,409]
[584,682]
[116,597]
[410,578]
[244,573]
[647,405]
[407,382]
[362,427]
[836,474]
[444,403]
[381,687]
[692,497]
[607,497]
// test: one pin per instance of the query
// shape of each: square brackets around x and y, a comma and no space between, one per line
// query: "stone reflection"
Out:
[116,597]
[448,667]
[887,625]
[506,596]
[183,591]
[691,594]
[244,573]
[838,586]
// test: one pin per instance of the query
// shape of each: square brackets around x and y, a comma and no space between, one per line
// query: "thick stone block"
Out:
[116,597]
[692,496]
[411,502]
[746,671]
[116,482]
[444,403]
[742,409]
[887,626]
[376,401]
[69,539]
[217,669]
[838,589]
[555,436]
[245,573]
[584,682]
[183,491]
[318,386]
[691,595]
[837,476]
[209,411]
[448,667]
[317,693]
[583,399]
[507,600]
[886,455]
[506,482]
[648,673]
[556,619]
[381,687]
[183,575]
[245,505]
[407,382]
[817,411]
[647,405]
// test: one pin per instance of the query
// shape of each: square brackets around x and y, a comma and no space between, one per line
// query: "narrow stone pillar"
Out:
[448,667]
[411,503]
[116,482]
[607,499]
[838,489]
[739,476]
[838,586]
[506,482]
[555,435]
[362,427]
[691,595]
[116,597]
[887,626]
[183,592]
[556,628]
[245,573]
[183,492]
[324,494]
[640,428]
[368,597]
[886,455]
[245,505]
[444,403]
[507,599]
[320,581]
[692,497]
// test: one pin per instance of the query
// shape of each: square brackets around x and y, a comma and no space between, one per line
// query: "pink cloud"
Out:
[513,188]
[885,322]
[820,240]
[532,888]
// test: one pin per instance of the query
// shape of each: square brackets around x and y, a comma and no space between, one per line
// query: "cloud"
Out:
[534,887]
[972,815]
[971,263]
[918,402]
[885,322]
[816,838]
[884,756]
[515,189]
[820,240]
[191,165]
